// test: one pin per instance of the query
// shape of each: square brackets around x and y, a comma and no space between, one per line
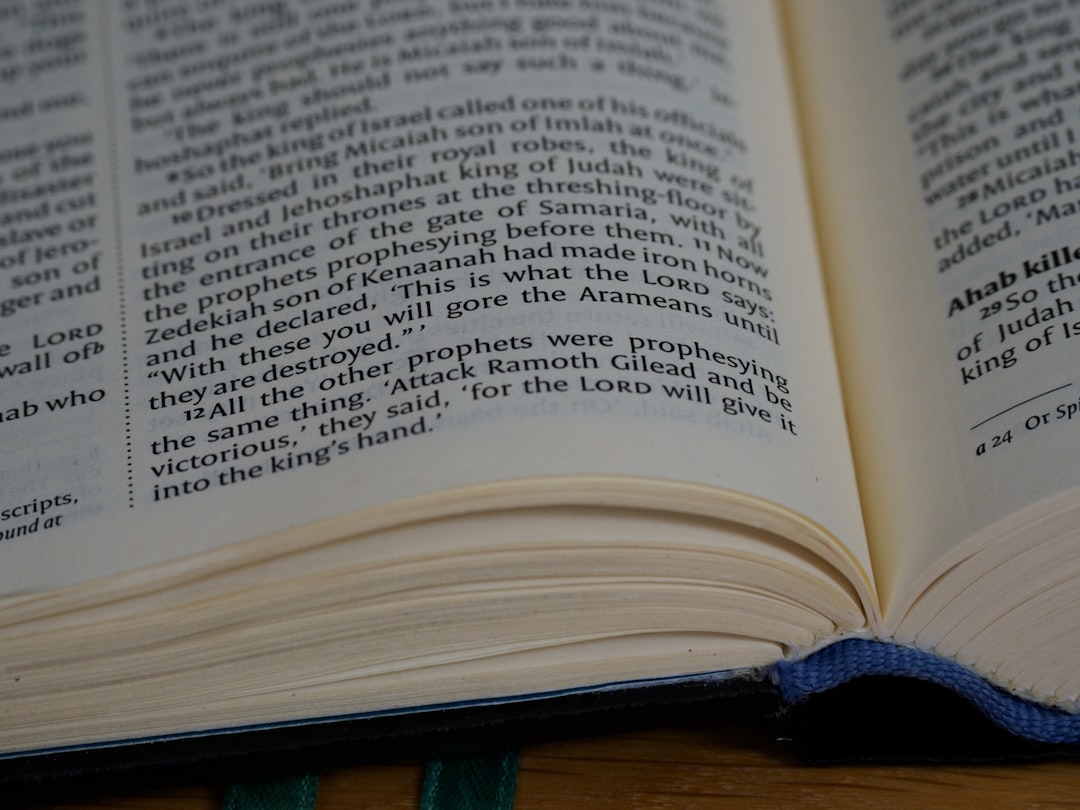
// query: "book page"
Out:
[267,263]
[947,169]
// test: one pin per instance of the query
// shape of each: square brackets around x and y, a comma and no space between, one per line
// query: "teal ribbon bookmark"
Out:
[293,793]
[470,783]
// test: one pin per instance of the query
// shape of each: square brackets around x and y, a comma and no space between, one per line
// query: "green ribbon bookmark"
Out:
[293,793]
[470,783]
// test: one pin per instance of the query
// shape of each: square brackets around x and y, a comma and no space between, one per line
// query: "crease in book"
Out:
[375,372]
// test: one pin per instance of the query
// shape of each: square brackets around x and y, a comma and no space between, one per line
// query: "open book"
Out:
[366,357]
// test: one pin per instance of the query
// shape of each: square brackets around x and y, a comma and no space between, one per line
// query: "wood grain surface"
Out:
[685,768]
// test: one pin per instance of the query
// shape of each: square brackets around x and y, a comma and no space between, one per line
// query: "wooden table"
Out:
[700,767]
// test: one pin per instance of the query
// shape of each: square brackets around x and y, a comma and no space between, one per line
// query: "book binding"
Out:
[844,661]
